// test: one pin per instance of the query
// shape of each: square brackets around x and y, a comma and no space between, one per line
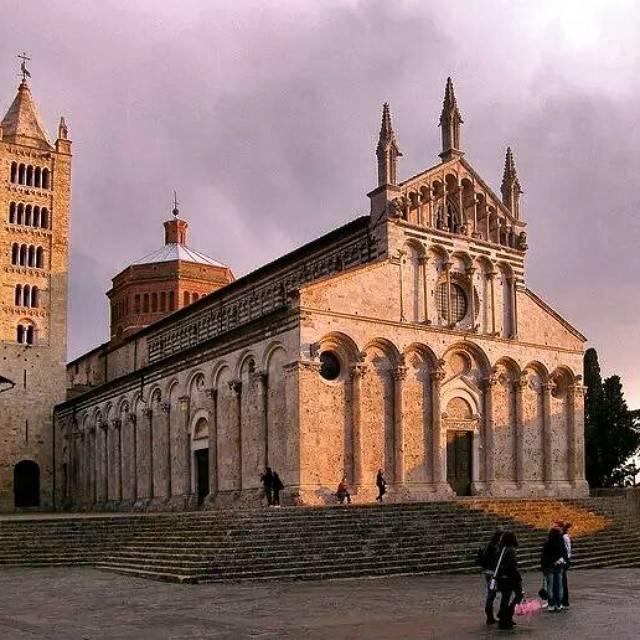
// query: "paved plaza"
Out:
[84,604]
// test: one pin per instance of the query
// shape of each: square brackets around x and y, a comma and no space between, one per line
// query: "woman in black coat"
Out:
[509,580]
[553,560]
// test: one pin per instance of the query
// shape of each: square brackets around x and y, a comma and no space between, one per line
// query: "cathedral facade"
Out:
[35,192]
[406,340]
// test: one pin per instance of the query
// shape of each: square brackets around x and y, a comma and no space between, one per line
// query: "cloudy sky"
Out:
[264,116]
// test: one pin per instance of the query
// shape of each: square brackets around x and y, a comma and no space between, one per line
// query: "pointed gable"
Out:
[22,123]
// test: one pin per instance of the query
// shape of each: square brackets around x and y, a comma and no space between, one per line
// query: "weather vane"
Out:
[175,204]
[23,67]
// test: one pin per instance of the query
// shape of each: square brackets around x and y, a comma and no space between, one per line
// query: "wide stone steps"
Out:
[312,543]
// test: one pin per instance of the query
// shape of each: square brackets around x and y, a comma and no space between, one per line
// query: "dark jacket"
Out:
[277,483]
[490,556]
[554,553]
[508,574]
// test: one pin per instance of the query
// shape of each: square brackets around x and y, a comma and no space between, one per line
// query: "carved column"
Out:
[512,295]
[447,268]
[148,414]
[95,433]
[236,388]
[438,466]
[472,297]
[213,443]
[105,459]
[133,420]
[162,464]
[520,386]
[489,446]
[399,374]
[423,260]
[87,467]
[547,445]
[116,428]
[357,372]
[166,410]
[492,288]
[184,444]
[579,391]
[572,391]
[263,380]
[401,255]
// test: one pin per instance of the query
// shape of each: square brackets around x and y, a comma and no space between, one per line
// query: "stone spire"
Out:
[387,150]
[510,188]
[450,121]
[22,123]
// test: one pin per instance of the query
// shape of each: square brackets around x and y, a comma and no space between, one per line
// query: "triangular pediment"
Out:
[460,169]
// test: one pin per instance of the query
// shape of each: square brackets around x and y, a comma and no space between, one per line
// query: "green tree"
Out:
[593,417]
[612,431]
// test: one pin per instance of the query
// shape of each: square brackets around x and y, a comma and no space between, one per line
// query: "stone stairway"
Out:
[318,542]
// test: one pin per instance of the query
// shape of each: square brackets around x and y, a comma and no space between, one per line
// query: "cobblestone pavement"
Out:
[84,604]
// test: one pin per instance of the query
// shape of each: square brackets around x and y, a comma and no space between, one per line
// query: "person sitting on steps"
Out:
[267,482]
[343,492]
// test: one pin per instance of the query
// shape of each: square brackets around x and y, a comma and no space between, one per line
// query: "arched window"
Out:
[20,218]
[44,218]
[23,255]
[18,295]
[21,173]
[154,302]
[31,256]
[15,253]
[136,303]
[145,303]
[194,297]
[186,298]
[172,301]
[45,179]
[30,335]
[35,297]
[26,484]
[37,177]
[163,301]
[29,176]
[12,213]
[40,258]
[27,215]
[26,296]
[36,216]
[14,172]
[20,332]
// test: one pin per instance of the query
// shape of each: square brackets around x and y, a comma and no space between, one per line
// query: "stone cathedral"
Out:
[405,340]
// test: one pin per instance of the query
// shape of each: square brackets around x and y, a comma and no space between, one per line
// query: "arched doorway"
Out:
[26,484]
[461,426]
[200,448]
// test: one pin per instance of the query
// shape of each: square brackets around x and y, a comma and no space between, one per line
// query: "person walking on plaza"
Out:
[343,492]
[509,580]
[553,561]
[488,559]
[277,488]
[567,545]
[381,483]
[267,482]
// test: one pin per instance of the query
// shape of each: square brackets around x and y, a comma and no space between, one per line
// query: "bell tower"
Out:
[35,192]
